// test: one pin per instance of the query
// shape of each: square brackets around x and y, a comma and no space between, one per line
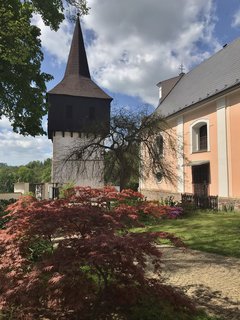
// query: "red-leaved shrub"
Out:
[74,258]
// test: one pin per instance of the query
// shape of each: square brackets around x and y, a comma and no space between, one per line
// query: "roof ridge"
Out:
[212,56]
[212,76]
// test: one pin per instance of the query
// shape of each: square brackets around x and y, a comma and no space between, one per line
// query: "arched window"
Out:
[203,137]
[158,154]
[200,136]
[159,145]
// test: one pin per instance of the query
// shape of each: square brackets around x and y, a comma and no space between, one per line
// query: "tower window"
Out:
[69,112]
[92,114]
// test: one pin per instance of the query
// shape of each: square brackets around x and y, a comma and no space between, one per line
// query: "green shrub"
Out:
[38,248]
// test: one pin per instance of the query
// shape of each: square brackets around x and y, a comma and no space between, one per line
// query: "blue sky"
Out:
[131,46]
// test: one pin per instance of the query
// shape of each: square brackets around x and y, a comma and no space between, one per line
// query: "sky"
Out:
[131,46]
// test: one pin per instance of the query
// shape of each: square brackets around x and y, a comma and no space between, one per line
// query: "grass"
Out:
[215,232]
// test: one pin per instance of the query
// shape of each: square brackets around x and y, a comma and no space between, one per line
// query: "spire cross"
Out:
[181,68]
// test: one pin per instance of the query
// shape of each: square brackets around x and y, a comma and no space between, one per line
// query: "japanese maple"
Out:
[74,258]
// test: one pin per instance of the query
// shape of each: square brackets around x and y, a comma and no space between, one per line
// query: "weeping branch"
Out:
[130,147]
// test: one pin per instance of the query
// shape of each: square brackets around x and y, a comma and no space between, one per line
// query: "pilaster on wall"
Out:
[223,188]
[180,155]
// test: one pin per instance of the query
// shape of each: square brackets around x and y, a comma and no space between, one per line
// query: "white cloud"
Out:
[17,149]
[236,19]
[55,43]
[139,43]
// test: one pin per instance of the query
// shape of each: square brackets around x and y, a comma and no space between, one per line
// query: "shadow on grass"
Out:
[216,232]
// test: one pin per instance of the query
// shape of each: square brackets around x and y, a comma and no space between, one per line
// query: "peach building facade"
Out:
[202,108]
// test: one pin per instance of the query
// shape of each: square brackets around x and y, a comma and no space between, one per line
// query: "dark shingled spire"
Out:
[77,59]
[77,81]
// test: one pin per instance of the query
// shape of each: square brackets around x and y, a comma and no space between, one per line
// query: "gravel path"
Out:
[211,279]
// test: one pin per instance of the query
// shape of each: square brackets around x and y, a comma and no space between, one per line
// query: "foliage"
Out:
[169,201]
[33,172]
[3,213]
[112,172]
[210,231]
[40,171]
[228,207]
[162,211]
[22,83]
[74,258]
[65,189]
[7,178]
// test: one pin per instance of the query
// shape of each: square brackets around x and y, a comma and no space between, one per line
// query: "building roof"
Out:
[77,80]
[168,85]
[215,75]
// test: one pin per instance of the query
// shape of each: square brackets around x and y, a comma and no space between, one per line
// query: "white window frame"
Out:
[194,135]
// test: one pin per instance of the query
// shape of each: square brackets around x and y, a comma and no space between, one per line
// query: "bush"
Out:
[74,258]
[162,211]
[169,201]
[3,213]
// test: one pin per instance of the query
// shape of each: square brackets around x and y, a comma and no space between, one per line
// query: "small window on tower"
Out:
[92,113]
[69,112]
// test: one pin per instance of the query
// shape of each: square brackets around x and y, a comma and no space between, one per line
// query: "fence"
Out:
[210,202]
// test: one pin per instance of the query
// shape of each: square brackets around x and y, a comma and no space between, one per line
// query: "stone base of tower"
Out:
[66,169]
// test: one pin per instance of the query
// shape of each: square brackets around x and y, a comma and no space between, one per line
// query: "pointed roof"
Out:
[77,80]
[77,59]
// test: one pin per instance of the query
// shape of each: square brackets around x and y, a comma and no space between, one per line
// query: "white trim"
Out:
[180,155]
[198,163]
[195,123]
[160,92]
[222,148]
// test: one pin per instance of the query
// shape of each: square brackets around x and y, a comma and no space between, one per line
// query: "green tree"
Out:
[41,170]
[133,148]
[7,178]
[46,171]
[33,172]
[22,83]
[25,174]
[129,170]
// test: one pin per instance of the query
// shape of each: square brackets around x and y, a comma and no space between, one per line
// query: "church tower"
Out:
[79,110]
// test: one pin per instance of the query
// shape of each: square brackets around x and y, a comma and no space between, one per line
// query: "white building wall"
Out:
[21,187]
[80,173]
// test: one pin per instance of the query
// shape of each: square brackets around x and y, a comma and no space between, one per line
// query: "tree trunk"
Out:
[123,182]
[124,177]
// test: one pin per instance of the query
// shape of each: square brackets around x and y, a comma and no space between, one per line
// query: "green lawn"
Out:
[216,232]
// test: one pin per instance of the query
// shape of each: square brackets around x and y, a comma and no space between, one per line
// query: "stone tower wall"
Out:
[71,170]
